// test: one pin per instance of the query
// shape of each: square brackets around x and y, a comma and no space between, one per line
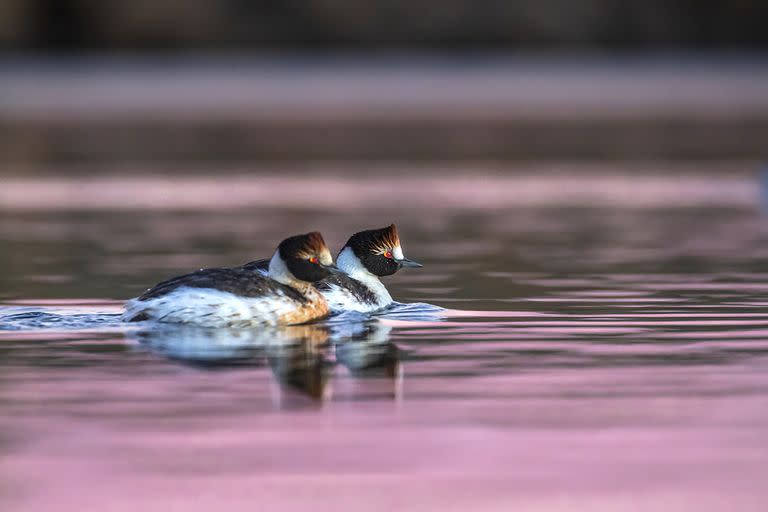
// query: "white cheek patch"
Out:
[278,269]
[397,252]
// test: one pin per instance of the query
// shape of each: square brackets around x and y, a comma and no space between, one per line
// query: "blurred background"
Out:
[327,106]
[78,25]
[92,83]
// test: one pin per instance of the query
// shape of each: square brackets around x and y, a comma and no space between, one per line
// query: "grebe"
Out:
[241,296]
[367,256]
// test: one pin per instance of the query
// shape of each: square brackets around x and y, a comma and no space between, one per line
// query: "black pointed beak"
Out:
[406,263]
[333,269]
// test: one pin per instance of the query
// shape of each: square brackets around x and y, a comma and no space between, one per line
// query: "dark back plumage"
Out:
[261,265]
[238,280]
[358,290]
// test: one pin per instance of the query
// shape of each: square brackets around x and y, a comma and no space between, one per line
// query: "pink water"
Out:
[604,356]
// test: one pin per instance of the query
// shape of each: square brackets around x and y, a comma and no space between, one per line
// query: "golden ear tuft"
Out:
[383,240]
[390,236]
[315,242]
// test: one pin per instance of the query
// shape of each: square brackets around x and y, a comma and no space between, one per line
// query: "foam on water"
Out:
[22,319]
[13,318]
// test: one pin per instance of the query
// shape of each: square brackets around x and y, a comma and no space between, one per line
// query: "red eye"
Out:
[313,259]
[388,254]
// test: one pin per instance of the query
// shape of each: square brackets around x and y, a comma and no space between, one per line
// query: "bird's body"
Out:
[242,296]
[227,297]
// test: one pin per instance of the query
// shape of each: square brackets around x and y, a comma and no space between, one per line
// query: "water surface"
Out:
[604,346]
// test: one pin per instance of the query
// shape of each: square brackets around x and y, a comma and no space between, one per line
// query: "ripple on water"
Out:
[600,351]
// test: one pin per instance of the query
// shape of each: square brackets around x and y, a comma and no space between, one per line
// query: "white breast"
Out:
[340,299]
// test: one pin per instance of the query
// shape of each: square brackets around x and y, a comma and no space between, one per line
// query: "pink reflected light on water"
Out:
[482,191]
[593,390]
[414,454]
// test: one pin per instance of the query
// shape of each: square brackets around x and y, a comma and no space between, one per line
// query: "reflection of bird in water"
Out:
[371,354]
[367,350]
[301,356]
[225,347]
[363,347]
[304,366]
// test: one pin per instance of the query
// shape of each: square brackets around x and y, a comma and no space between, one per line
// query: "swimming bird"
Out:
[367,256]
[242,296]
